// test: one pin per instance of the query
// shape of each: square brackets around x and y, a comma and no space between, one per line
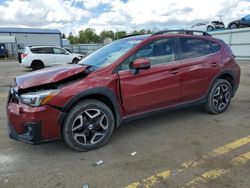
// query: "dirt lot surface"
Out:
[184,148]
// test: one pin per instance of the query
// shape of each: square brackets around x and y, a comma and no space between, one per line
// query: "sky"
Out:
[117,15]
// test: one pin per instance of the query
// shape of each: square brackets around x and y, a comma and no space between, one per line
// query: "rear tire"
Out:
[210,28]
[219,97]
[88,125]
[37,65]
[233,26]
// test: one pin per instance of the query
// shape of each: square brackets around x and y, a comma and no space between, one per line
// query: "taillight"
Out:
[23,56]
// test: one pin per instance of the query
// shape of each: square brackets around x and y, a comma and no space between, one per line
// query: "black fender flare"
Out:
[229,72]
[108,93]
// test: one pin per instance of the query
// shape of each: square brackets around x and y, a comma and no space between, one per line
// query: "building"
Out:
[30,37]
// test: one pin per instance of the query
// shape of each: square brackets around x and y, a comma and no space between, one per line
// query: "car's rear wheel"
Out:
[219,97]
[210,28]
[88,125]
[233,26]
[37,65]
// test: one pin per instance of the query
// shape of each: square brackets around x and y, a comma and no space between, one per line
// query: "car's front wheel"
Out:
[219,97]
[88,125]
[75,61]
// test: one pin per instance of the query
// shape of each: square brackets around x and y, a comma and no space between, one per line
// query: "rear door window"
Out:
[194,47]
[41,50]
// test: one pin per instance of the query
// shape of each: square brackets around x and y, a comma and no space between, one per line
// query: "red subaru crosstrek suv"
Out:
[128,78]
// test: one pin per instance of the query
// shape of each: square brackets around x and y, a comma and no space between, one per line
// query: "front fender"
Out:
[109,94]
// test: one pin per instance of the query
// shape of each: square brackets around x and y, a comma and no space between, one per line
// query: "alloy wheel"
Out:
[221,97]
[90,127]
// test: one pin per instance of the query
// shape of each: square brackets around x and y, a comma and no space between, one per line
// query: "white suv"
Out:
[38,57]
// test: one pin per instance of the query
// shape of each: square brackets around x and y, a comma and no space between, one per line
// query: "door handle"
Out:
[214,64]
[174,71]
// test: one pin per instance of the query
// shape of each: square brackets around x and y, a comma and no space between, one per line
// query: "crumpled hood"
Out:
[48,75]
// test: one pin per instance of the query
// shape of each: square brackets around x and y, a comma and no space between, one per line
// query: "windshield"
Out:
[247,17]
[111,52]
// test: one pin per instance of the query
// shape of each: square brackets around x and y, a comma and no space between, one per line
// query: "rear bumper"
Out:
[32,125]
[25,63]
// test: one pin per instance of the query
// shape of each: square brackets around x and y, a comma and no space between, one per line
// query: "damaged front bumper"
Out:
[31,134]
[32,124]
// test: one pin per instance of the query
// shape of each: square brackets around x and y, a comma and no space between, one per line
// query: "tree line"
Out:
[90,36]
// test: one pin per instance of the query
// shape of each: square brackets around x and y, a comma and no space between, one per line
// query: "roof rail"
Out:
[126,36]
[43,46]
[182,31]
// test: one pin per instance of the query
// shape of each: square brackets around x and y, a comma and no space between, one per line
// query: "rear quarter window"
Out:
[216,46]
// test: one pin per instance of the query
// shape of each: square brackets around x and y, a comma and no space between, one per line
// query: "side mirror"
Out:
[67,53]
[140,63]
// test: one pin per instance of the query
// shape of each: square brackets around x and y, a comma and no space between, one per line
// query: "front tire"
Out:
[88,126]
[219,97]
[75,61]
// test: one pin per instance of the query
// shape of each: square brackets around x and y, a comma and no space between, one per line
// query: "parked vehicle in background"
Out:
[3,50]
[243,22]
[38,57]
[126,79]
[208,26]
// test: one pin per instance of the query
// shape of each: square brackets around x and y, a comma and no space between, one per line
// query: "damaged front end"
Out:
[38,88]
[30,118]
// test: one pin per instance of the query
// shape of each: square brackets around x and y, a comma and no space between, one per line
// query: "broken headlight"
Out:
[38,98]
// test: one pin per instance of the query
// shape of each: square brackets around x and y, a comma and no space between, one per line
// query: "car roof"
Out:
[176,33]
[44,47]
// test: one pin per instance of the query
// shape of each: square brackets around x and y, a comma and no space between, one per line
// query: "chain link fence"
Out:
[84,49]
